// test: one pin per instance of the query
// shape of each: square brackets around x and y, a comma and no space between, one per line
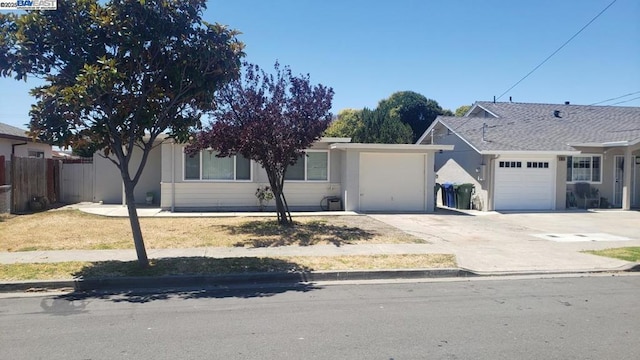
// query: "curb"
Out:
[184,281]
[228,279]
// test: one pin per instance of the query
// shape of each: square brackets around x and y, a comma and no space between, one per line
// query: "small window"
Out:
[36,154]
[510,164]
[538,165]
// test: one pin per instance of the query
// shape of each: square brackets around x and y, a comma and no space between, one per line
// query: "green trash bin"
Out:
[463,196]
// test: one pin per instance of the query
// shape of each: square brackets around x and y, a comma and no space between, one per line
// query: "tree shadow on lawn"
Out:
[270,234]
[189,278]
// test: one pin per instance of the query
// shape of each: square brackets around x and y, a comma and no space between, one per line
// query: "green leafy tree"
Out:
[462,110]
[348,123]
[382,127]
[446,112]
[118,75]
[412,109]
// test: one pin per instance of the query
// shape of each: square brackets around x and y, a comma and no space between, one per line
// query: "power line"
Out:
[616,98]
[625,101]
[555,52]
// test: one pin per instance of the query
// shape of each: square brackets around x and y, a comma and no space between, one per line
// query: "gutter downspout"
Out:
[13,148]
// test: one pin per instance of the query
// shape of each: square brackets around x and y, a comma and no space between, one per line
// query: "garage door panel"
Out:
[525,188]
[392,182]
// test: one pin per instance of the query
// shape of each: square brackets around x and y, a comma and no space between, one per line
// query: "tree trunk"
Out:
[281,209]
[141,252]
[286,208]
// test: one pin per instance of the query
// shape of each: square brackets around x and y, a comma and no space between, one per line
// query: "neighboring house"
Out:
[15,141]
[531,156]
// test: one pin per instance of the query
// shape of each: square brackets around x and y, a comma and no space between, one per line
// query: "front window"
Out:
[584,168]
[205,165]
[313,166]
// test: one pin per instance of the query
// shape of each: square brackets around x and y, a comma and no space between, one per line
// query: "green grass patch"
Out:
[212,266]
[624,253]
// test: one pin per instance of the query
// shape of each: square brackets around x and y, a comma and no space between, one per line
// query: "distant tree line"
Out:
[400,119]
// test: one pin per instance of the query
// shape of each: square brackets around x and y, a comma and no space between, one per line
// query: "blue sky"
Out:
[455,51]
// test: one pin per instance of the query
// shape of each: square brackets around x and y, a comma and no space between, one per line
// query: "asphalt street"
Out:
[553,318]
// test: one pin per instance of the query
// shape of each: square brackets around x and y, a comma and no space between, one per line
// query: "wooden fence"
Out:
[33,178]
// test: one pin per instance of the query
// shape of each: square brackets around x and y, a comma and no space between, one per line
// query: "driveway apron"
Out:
[524,242]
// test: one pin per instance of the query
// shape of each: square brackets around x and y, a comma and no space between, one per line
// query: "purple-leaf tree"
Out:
[269,118]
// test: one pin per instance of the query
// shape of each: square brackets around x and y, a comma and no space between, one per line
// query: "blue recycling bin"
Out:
[450,195]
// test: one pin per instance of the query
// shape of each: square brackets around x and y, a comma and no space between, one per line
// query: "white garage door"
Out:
[524,184]
[392,182]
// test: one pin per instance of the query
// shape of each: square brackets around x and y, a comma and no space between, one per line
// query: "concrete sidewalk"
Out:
[149,211]
[213,252]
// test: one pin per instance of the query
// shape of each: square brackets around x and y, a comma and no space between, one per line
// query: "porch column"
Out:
[626,181]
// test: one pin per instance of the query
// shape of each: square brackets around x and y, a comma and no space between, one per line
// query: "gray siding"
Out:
[462,165]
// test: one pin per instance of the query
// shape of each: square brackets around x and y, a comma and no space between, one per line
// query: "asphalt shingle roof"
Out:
[535,127]
[6,129]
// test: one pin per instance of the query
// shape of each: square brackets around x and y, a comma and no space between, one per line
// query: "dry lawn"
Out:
[75,230]
[204,266]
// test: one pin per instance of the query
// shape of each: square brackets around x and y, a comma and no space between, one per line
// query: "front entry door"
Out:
[618,176]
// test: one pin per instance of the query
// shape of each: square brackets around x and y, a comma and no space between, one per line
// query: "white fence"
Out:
[77,182]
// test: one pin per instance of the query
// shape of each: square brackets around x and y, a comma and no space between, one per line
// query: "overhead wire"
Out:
[557,50]
[549,57]
[625,101]
[616,98]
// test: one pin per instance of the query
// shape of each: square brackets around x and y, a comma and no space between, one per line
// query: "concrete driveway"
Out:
[524,242]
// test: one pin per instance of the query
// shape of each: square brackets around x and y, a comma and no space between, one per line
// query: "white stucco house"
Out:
[364,177]
[523,156]
[15,141]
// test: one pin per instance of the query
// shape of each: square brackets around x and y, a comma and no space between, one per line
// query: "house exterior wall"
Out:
[183,195]
[22,149]
[561,183]
[5,148]
[108,186]
[463,165]
[350,180]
